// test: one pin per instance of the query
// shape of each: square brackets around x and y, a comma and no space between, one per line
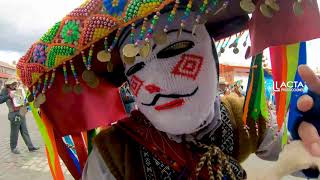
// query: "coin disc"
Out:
[88,75]
[145,50]
[248,6]
[104,56]
[160,38]
[77,89]
[266,11]
[130,50]
[66,88]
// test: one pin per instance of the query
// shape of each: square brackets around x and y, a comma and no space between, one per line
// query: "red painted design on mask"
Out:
[189,66]
[135,84]
[170,105]
[152,88]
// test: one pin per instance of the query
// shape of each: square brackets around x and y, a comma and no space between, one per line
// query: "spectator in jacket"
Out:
[16,116]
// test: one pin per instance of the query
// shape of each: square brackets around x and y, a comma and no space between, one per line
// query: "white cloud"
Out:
[10,56]
[23,22]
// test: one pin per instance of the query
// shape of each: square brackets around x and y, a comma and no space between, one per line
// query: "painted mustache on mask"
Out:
[175,96]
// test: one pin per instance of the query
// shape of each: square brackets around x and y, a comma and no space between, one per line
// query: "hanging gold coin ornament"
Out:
[128,60]
[160,38]
[42,97]
[130,50]
[248,6]
[266,10]
[104,55]
[145,50]
[235,50]
[110,67]
[77,88]
[245,41]
[224,45]
[222,50]
[36,103]
[273,5]
[66,88]
[88,75]
[297,8]
[93,84]
[30,98]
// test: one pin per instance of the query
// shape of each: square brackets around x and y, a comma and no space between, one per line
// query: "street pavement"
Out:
[34,166]
[27,165]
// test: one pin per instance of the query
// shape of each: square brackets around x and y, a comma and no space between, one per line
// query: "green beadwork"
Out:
[48,37]
[58,51]
[134,8]
[70,32]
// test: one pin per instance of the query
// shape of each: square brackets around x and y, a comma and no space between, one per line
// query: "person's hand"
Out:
[307,131]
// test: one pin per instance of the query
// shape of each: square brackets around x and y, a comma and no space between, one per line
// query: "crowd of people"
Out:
[225,88]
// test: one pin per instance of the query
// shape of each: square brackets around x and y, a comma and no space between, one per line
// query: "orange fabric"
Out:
[85,137]
[58,173]
[50,165]
[283,94]
[246,105]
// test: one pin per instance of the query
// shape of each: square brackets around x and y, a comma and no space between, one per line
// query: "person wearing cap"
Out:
[223,86]
[165,50]
[14,100]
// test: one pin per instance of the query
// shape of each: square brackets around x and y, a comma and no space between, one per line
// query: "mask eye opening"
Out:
[175,49]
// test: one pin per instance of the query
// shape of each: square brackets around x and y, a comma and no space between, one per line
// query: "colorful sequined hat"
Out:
[76,65]
[73,72]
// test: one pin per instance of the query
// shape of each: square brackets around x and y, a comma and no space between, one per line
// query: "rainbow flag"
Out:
[285,61]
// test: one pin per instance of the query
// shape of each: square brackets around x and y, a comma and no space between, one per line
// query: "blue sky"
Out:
[23,22]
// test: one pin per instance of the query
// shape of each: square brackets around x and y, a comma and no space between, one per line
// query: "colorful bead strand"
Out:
[90,57]
[204,6]
[132,33]
[172,15]
[186,13]
[65,73]
[142,32]
[105,43]
[115,40]
[45,83]
[84,59]
[39,86]
[152,25]
[34,91]
[53,75]
[185,17]
[74,72]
